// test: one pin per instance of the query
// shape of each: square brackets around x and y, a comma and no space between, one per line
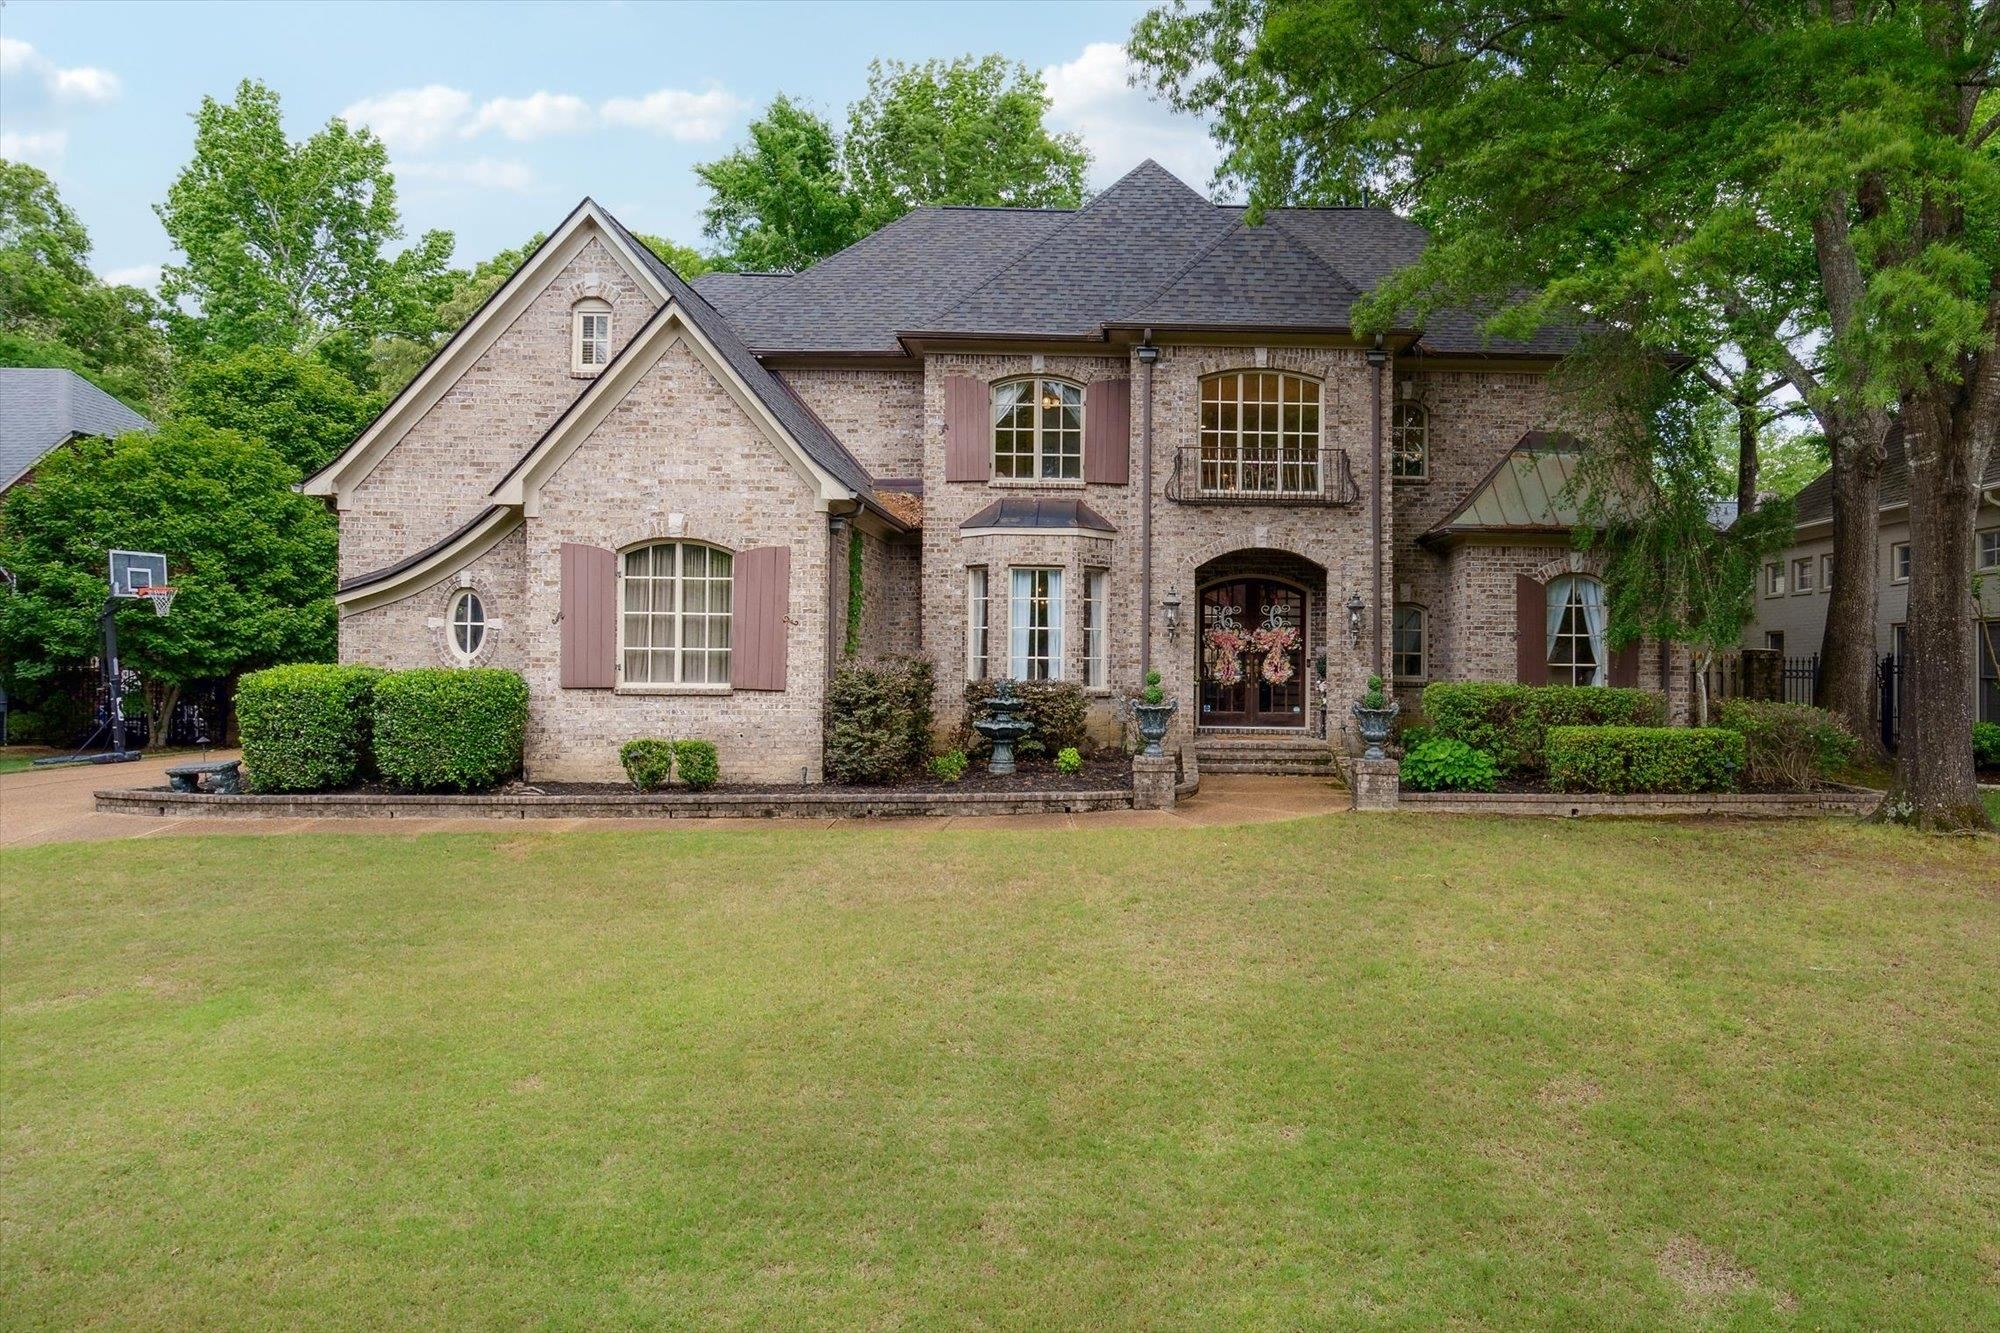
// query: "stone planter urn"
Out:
[1153,720]
[1375,724]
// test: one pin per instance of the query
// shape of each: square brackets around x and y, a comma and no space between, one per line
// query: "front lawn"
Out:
[1412,1071]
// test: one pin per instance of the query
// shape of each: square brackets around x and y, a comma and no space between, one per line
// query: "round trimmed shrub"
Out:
[1442,764]
[306,727]
[697,762]
[1986,744]
[648,763]
[438,729]
[1069,760]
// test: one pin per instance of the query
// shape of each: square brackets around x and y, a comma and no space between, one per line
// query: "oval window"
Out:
[468,625]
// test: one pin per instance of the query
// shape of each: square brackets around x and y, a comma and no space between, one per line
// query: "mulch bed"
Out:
[1101,774]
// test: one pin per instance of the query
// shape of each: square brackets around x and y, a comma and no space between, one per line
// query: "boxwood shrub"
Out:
[1057,709]
[648,763]
[1986,744]
[438,729]
[697,764]
[1510,722]
[306,727]
[878,720]
[1441,764]
[1662,760]
[1787,745]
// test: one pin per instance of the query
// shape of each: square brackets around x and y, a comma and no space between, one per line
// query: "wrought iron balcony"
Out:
[1318,476]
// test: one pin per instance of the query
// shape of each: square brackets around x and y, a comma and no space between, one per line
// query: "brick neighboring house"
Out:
[1790,612]
[1067,443]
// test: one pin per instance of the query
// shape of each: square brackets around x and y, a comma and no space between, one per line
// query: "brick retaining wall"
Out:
[1741,805]
[810,803]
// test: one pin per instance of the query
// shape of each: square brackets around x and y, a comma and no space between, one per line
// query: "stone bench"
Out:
[224,777]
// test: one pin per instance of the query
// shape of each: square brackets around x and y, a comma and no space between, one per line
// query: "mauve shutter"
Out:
[589,617]
[1107,432]
[968,447]
[757,637]
[1625,666]
[1531,631]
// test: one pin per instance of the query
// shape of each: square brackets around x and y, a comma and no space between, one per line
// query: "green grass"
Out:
[1411,1072]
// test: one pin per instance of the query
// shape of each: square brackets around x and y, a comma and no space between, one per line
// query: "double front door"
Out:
[1253,654]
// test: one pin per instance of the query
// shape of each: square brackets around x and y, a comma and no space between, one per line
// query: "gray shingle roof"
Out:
[1814,502]
[40,410]
[732,292]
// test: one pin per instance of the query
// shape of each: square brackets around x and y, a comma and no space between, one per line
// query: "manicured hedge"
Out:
[306,727]
[450,730]
[878,720]
[648,763]
[1653,760]
[1787,745]
[1509,722]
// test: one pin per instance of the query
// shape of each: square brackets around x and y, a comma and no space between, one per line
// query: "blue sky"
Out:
[500,116]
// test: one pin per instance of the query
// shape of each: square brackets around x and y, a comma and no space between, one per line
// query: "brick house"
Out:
[1061,443]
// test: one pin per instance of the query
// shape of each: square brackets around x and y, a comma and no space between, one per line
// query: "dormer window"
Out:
[590,337]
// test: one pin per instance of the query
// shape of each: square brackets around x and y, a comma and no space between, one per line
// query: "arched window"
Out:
[1577,617]
[1259,434]
[1407,646]
[1038,430]
[467,623]
[590,336]
[1410,442]
[674,624]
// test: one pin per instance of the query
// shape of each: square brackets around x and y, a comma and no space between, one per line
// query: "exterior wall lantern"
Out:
[1170,605]
[1355,607]
[1148,354]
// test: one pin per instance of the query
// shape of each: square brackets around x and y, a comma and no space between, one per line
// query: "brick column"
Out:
[1376,784]
[1153,782]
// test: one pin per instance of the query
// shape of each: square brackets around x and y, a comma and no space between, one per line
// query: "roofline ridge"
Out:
[1185,269]
[1292,239]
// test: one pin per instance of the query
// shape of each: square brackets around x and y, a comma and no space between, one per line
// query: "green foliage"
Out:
[878,720]
[59,719]
[1057,710]
[697,764]
[854,591]
[306,727]
[288,244]
[1437,764]
[1412,734]
[438,729]
[1787,745]
[1374,696]
[1153,694]
[299,406]
[1666,760]
[780,202]
[1069,760]
[685,260]
[1986,744]
[648,763]
[1510,722]
[949,766]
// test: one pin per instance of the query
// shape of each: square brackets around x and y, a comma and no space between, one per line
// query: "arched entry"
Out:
[1252,653]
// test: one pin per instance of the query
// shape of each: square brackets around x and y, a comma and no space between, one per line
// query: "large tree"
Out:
[780,201]
[55,312]
[1817,183]
[252,558]
[303,409]
[288,244]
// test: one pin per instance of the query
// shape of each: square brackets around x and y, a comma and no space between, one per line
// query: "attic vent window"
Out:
[590,340]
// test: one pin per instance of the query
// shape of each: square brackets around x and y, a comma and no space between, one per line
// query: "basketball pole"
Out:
[114,676]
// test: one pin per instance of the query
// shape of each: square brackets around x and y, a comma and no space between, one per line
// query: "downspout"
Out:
[1147,354]
[1377,358]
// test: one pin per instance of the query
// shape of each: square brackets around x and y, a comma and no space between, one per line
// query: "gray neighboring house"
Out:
[1790,615]
[43,410]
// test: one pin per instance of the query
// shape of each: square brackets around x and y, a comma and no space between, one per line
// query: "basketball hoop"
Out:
[160,594]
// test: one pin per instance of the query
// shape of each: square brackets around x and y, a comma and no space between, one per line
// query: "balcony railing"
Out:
[1293,477]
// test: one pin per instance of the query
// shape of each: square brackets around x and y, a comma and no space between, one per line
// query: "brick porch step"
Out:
[1277,756]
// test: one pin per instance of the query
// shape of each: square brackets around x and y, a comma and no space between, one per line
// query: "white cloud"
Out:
[482,174]
[138,275]
[75,83]
[676,114]
[536,116]
[44,148]
[1122,125]
[412,119]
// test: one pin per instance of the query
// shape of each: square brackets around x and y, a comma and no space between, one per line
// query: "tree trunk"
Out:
[160,713]
[1746,456]
[1847,652]
[1935,787]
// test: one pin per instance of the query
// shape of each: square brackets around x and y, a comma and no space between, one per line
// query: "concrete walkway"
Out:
[55,805]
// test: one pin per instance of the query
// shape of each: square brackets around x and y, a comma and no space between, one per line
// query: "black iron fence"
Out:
[1758,673]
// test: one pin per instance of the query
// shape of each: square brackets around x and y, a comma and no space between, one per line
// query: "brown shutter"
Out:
[757,635]
[1107,432]
[1625,666]
[1531,631]
[589,617]
[968,442]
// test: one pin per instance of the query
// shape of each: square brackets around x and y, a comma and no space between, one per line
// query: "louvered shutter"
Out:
[589,617]
[1107,432]
[1531,631]
[758,619]
[1624,671]
[968,435]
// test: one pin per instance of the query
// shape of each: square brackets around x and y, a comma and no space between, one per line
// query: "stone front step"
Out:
[1277,756]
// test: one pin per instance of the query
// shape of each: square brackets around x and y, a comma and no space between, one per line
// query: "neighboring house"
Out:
[1792,589]
[43,410]
[1064,443]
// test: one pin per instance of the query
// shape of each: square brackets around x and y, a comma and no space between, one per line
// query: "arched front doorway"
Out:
[1253,653]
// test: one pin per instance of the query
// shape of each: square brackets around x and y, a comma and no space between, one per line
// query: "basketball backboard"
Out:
[133,570]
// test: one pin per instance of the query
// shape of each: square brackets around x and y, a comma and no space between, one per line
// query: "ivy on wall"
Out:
[853,645]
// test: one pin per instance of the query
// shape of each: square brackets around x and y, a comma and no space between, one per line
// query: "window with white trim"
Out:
[673,625]
[1899,562]
[1774,579]
[467,623]
[1986,549]
[1038,430]
[1035,625]
[1410,442]
[1802,574]
[978,619]
[1576,626]
[1406,642]
[1096,596]
[1259,434]
[590,336]
[1826,572]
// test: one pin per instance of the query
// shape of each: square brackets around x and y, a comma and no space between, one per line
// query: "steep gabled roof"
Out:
[42,409]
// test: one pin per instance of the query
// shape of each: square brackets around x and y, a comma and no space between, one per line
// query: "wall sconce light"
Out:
[1148,354]
[1355,607]
[1171,606]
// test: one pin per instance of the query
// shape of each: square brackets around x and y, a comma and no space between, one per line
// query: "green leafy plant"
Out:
[1069,760]
[1509,722]
[1666,760]
[305,727]
[649,763]
[1986,745]
[878,720]
[1374,696]
[855,600]
[949,766]
[1057,710]
[1787,745]
[444,730]
[697,764]
[1153,694]
[1438,764]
